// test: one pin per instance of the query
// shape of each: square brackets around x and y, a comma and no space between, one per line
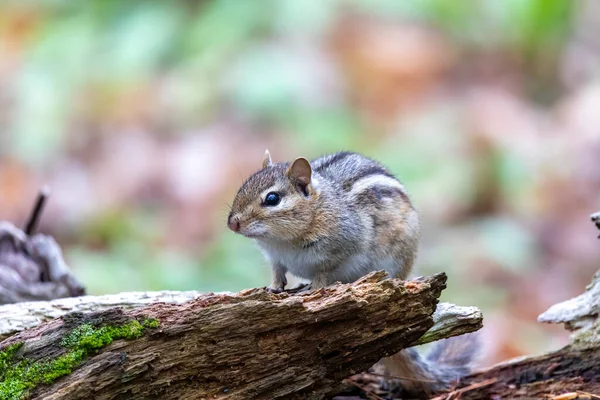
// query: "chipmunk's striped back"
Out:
[389,222]
[354,172]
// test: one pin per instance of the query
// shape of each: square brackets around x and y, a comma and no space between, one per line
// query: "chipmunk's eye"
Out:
[272,199]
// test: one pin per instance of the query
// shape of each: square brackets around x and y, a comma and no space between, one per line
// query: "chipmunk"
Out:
[335,219]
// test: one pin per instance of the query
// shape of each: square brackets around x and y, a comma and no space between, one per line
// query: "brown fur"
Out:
[339,217]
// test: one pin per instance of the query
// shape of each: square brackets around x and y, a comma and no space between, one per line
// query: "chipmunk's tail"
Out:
[417,376]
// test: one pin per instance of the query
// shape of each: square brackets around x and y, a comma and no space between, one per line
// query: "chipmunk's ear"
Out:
[267,160]
[300,174]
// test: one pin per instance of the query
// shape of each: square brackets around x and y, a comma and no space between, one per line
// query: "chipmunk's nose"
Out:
[233,223]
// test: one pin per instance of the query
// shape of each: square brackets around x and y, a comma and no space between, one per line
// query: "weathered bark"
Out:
[250,345]
[20,316]
[32,268]
[568,370]
[449,319]
[573,370]
[452,320]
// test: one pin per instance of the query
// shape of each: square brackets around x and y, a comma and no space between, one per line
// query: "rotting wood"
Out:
[569,373]
[249,345]
[574,369]
[570,369]
[449,319]
[20,316]
[32,267]
[579,314]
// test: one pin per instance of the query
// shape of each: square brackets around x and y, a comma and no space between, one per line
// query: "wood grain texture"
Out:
[249,345]
[20,316]
[449,319]
[568,370]
[573,368]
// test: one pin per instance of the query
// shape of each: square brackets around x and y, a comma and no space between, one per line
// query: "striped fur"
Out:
[354,217]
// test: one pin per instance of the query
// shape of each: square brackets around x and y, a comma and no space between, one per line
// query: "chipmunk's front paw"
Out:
[278,283]
[276,287]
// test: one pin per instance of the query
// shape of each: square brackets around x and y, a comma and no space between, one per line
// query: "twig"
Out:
[401,378]
[593,396]
[34,218]
[458,392]
[573,396]
[364,389]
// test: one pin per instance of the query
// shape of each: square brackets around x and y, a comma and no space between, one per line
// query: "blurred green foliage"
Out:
[104,48]
[99,50]
[112,46]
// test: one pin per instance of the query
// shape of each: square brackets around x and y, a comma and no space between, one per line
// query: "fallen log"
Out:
[574,368]
[249,345]
[572,372]
[449,319]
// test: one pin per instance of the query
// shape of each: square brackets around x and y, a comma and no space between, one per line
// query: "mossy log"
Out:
[17,317]
[249,345]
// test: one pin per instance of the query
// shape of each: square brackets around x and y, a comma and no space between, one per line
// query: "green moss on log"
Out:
[150,323]
[6,356]
[19,376]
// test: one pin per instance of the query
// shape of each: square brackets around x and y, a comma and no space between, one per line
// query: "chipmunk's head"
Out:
[276,203]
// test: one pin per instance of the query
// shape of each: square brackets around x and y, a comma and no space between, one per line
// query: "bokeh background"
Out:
[146,116]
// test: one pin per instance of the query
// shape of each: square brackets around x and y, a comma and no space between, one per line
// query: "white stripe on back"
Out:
[374,180]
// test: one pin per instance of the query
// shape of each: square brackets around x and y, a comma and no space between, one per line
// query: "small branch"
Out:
[36,214]
[455,394]
[365,389]
[452,320]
